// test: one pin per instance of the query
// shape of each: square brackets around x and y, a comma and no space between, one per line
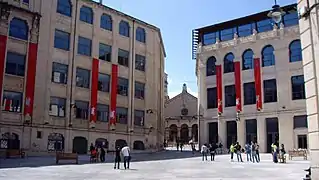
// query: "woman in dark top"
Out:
[102,154]
[212,150]
[117,159]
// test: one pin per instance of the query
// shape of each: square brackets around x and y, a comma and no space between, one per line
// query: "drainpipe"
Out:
[130,130]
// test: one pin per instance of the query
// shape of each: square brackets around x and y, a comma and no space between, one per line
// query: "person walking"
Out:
[232,151]
[204,151]
[126,155]
[238,152]
[212,150]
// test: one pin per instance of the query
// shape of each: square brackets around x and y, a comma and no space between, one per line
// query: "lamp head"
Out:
[276,14]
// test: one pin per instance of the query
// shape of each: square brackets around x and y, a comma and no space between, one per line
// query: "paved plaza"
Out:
[160,166]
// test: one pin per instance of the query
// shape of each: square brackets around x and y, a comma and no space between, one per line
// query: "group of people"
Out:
[278,154]
[99,152]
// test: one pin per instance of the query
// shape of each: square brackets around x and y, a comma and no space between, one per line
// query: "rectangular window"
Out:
[59,73]
[15,64]
[264,25]
[122,87]
[211,98]
[270,91]
[249,93]
[139,118]
[62,40]
[139,90]
[122,58]
[139,62]
[230,96]
[105,52]
[57,106]
[104,82]
[291,19]
[12,101]
[102,112]
[82,109]
[298,87]
[82,78]
[245,30]
[84,46]
[121,115]
[300,121]
[26,1]
[227,34]
[302,142]
[210,38]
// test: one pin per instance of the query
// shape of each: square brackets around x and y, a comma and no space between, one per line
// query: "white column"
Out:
[241,132]
[222,134]
[261,134]
[286,134]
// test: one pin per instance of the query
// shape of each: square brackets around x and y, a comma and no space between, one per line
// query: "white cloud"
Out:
[189,90]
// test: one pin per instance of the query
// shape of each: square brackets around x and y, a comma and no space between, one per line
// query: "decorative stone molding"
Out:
[35,29]
[4,18]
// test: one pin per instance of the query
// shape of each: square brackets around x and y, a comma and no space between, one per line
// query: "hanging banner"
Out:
[237,74]
[3,49]
[94,89]
[113,96]
[219,86]
[257,74]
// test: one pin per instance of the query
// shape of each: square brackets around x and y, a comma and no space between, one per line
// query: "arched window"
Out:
[211,66]
[268,56]
[19,29]
[295,51]
[229,63]
[86,14]
[140,34]
[248,59]
[64,7]
[106,22]
[124,29]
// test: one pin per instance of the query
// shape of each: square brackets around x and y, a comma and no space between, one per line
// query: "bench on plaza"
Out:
[15,153]
[298,153]
[66,156]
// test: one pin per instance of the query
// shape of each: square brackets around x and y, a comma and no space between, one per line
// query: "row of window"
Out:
[267,58]
[60,75]
[87,15]
[62,41]
[290,19]
[270,92]
[12,102]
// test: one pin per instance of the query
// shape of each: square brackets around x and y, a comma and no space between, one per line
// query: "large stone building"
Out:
[251,83]
[76,72]
[181,118]
[308,26]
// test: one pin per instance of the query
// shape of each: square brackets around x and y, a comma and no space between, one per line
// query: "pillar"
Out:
[241,132]
[285,126]
[261,134]
[222,134]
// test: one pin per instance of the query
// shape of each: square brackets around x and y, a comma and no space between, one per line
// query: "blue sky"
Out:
[177,18]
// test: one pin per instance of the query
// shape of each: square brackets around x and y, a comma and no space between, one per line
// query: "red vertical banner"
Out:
[113,96]
[219,84]
[30,82]
[257,73]
[3,49]
[238,86]
[94,89]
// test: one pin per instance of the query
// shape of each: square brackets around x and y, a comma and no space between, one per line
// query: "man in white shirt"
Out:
[126,154]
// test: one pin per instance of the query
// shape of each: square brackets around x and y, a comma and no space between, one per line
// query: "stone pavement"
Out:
[178,165]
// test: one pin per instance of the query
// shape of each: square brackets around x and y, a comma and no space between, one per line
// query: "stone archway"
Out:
[10,141]
[138,145]
[120,143]
[101,142]
[55,142]
[80,145]
[184,133]
[195,132]
[173,133]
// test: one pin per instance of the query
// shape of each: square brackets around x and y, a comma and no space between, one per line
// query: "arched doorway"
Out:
[195,132]
[10,141]
[101,142]
[138,145]
[184,133]
[120,143]
[80,145]
[55,142]
[173,133]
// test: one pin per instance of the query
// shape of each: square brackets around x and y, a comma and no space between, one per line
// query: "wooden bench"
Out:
[15,153]
[297,153]
[66,156]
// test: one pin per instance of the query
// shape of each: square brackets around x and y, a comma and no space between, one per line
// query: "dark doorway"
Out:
[195,132]
[10,141]
[302,142]
[251,130]
[80,145]
[173,133]
[55,142]
[138,145]
[212,132]
[120,143]
[272,132]
[184,133]
[101,142]
[231,132]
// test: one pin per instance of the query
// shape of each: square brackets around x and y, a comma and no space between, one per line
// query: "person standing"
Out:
[102,154]
[257,151]
[253,152]
[232,151]
[126,155]
[238,152]
[204,151]
[117,159]
[248,151]
[212,150]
